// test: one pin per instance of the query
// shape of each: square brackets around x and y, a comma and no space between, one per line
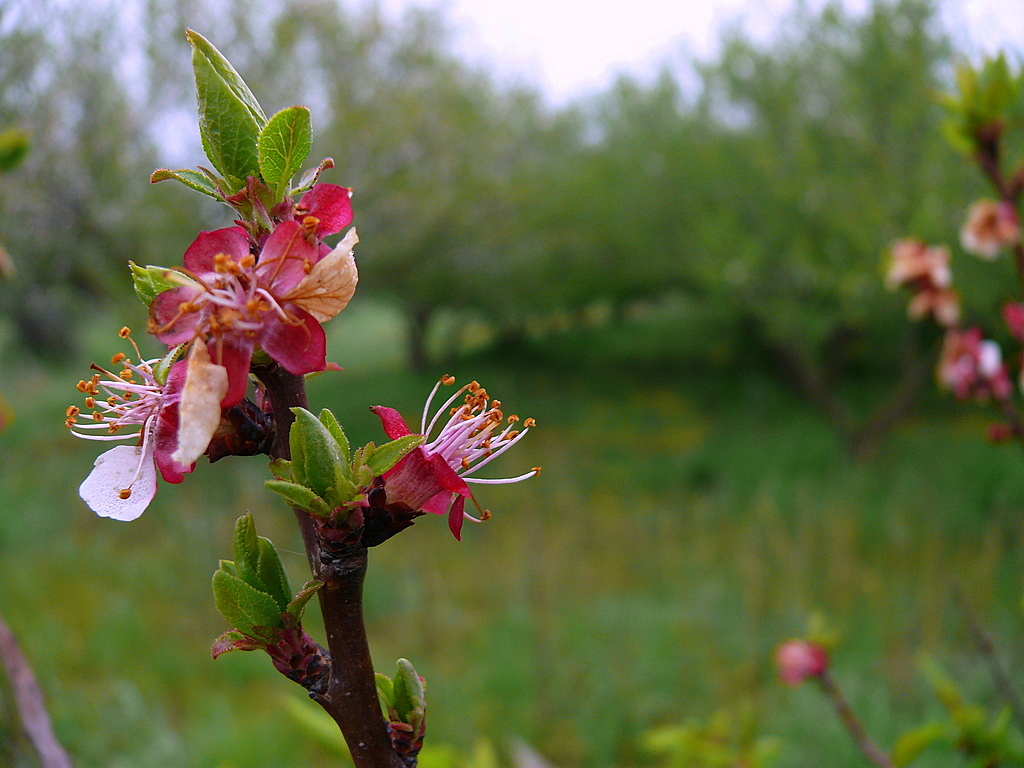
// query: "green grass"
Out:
[684,524]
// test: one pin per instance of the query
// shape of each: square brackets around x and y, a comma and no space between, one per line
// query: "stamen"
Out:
[118,358]
[125,493]
[125,332]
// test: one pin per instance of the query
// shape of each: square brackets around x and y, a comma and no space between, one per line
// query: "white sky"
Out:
[573,47]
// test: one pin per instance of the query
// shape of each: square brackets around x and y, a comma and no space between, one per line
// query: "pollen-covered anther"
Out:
[125,332]
[473,386]
[512,419]
[118,358]
[309,226]
[447,380]
[247,261]
[125,493]
[90,402]
[485,515]
[125,374]
[530,423]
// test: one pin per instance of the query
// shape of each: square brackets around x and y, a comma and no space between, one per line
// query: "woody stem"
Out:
[351,697]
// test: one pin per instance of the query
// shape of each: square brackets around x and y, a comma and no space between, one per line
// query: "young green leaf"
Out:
[242,605]
[283,146]
[297,606]
[328,420]
[385,692]
[230,119]
[150,281]
[271,573]
[384,457]
[299,496]
[200,182]
[318,454]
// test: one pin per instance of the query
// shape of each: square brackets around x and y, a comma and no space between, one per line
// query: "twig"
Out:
[28,699]
[852,723]
[987,649]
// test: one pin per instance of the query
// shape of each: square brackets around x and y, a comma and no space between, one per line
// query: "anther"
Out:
[125,494]
[447,380]
[125,374]
[125,332]
[118,358]
[530,423]
[90,402]
[74,410]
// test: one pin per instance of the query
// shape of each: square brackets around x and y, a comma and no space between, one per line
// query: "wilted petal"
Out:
[122,482]
[328,288]
[205,386]
[392,421]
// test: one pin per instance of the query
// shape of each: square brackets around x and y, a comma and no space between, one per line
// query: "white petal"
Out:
[206,383]
[113,473]
[328,288]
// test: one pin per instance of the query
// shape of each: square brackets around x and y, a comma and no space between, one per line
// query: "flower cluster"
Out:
[972,366]
[925,270]
[235,299]
[991,226]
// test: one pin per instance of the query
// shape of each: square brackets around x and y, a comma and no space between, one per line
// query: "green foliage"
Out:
[149,281]
[402,697]
[965,728]
[14,146]
[726,740]
[981,106]
[283,146]
[252,592]
[230,118]
[324,474]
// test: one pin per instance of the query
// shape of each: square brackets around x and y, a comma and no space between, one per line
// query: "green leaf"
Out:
[163,366]
[246,547]
[230,118]
[409,700]
[297,606]
[318,453]
[14,146]
[299,496]
[196,180]
[283,146]
[151,281]
[243,606]
[385,692]
[272,574]
[382,458]
[911,744]
[328,420]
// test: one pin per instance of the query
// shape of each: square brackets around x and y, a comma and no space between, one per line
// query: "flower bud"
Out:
[800,659]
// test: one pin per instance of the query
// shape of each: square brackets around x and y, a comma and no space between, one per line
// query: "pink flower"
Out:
[124,479]
[329,204]
[991,226]
[433,477]
[237,303]
[970,365]
[918,265]
[799,660]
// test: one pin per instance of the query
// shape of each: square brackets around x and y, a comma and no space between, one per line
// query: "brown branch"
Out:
[351,697]
[987,649]
[28,699]
[852,723]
